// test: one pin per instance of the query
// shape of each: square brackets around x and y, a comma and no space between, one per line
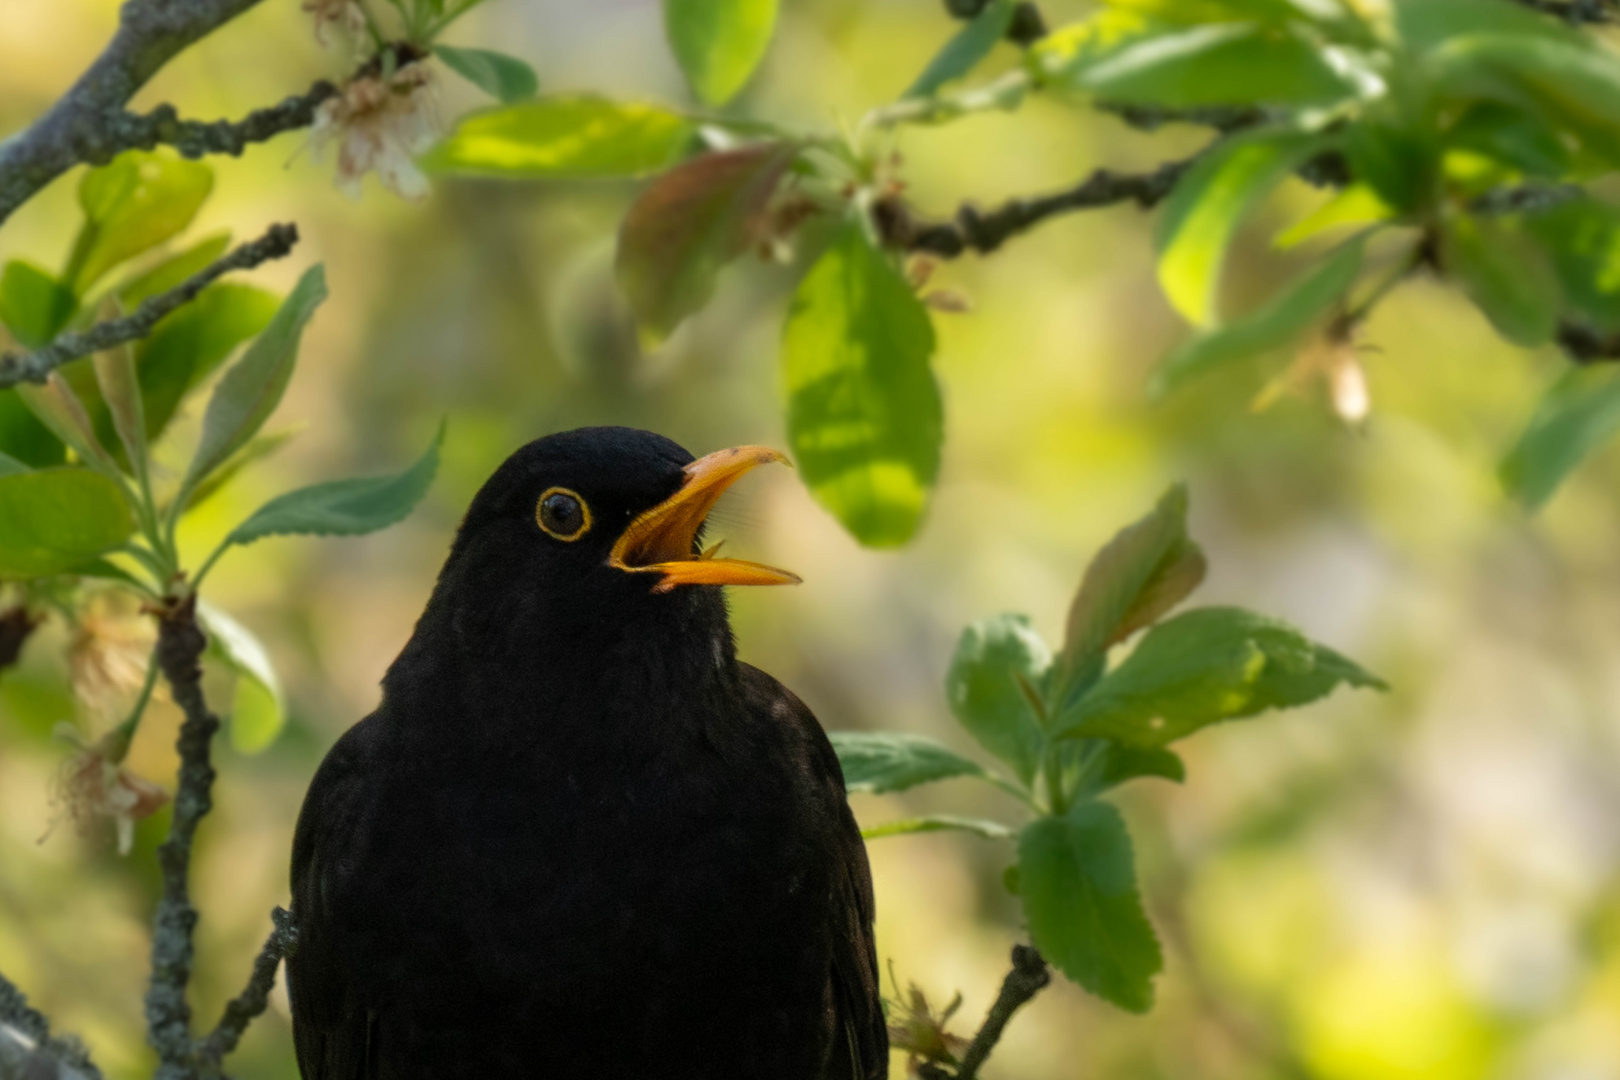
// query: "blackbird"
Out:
[579,837]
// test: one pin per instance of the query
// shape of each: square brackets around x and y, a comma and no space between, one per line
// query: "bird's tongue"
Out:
[660,540]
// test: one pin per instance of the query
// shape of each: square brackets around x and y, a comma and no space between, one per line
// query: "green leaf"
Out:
[1506,273]
[9,465]
[1279,323]
[1571,84]
[54,519]
[877,762]
[251,389]
[33,305]
[344,507]
[990,830]
[571,136]
[133,204]
[864,414]
[22,435]
[1077,879]
[1425,25]
[257,449]
[995,661]
[1124,763]
[258,709]
[1064,57]
[1513,137]
[1202,667]
[688,224]
[173,270]
[1148,568]
[187,346]
[115,377]
[1207,206]
[1578,413]
[1399,164]
[1583,237]
[1356,205]
[963,52]
[1217,64]
[57,407]
[502,77]
[719,43]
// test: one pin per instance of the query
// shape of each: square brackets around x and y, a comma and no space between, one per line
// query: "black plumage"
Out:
[578,837]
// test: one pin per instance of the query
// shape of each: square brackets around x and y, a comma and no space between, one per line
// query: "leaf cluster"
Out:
[88,498]
[1456,137]
[1069,726]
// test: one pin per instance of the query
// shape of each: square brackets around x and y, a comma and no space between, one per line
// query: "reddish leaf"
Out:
[689,223]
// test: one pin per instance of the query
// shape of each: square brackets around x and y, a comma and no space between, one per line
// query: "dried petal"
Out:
[380,125]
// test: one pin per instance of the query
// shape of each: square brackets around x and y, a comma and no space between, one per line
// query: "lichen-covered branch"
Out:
[246,1006]
[197,138]
[986,230]
[1028,977]
[277,241]
[28,1051]
[88,124]
[168,1012]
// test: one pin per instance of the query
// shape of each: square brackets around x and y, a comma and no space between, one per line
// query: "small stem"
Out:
[1358,314]
[115,744]
[1028,977]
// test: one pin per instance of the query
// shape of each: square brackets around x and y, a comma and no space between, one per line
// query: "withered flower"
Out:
[91,786]
[380,124]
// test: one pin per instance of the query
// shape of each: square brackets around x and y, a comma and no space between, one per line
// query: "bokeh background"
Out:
[1417,884]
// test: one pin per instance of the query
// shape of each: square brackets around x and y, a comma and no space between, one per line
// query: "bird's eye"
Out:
[563,514]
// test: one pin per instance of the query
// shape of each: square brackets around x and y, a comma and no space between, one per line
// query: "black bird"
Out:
[579,838]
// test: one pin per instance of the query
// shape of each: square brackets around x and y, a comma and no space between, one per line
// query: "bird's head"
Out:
[594,523]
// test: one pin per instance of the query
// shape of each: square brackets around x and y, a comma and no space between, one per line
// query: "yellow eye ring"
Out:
[562,513]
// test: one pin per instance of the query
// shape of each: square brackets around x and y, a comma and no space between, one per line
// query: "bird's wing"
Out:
[861,1038]
[332,1030]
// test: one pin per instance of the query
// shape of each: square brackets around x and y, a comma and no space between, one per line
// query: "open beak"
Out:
[660,540]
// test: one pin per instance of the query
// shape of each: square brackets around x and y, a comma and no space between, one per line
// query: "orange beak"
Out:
[660,540]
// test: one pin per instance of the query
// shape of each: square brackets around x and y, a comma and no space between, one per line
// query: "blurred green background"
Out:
[1419,884]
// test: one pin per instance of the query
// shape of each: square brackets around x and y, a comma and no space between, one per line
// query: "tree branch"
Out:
[168,1014]
[277,241]
[86,123]
[197,138]
[985,231]
[1028,977]
[27,1049]
[16,624]
[247,1005]
[1576,12]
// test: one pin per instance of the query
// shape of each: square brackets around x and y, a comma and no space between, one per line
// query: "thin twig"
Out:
[1223,118]
[83,125]
[1586,345]
[168,1013]
[277,241]
[985,231]
[247,1005]
[1028,977]
[28,1051]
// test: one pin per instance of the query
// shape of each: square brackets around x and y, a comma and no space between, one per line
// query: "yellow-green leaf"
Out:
[719,43]
[1207,206]
[54,519]
[567,136]
[864,414]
